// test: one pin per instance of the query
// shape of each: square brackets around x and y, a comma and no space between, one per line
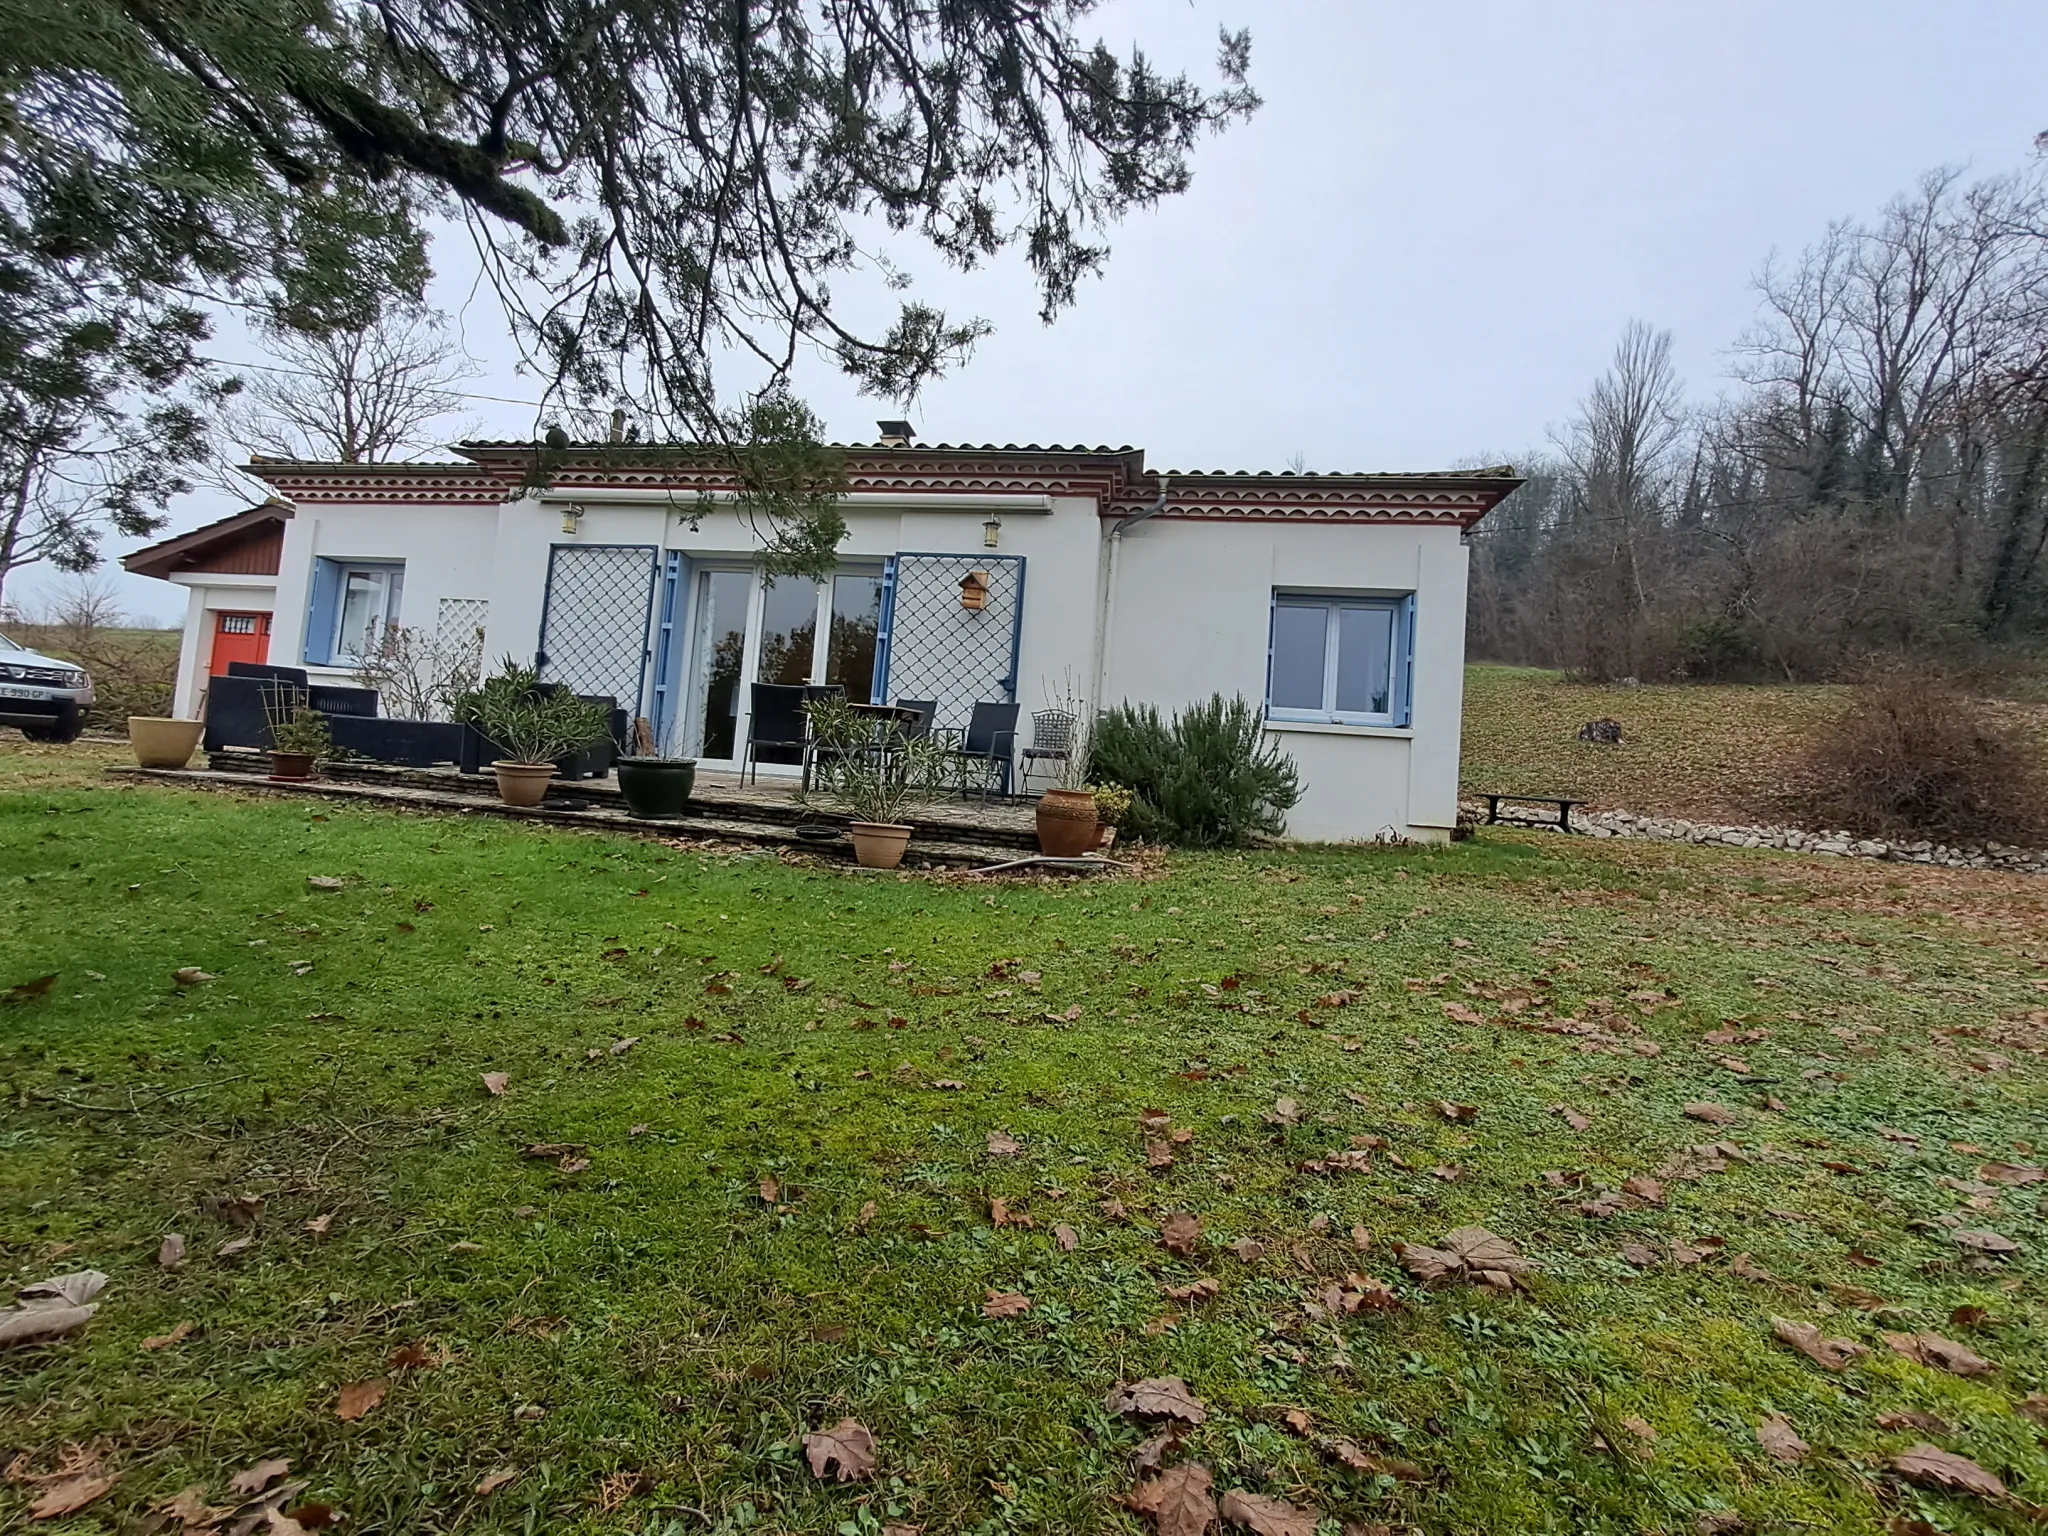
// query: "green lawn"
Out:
[786,1217]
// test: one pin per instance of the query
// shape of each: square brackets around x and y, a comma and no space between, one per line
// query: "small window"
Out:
[1340,660]
[353,603]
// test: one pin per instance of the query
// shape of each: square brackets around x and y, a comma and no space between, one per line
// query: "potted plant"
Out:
[298,734]
[162,742]
[878,784]
[1066,812]
[657,786]
[1112,804]
[534,724]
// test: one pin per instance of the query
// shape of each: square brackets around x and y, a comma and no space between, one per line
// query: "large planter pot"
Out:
[161,742]
[291,767]
[523,784]
[879,844]
[1105,838]
[1066,823]
[657,787]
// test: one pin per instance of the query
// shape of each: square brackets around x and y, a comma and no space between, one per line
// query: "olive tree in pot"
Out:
[535,725]
[878,783]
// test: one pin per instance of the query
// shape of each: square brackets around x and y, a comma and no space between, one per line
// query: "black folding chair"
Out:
[921,727]
[989,745]
[778,726]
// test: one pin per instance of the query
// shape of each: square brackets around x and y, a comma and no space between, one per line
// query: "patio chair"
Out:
[988,746]
[921,727]
[1052,743]
[779,726]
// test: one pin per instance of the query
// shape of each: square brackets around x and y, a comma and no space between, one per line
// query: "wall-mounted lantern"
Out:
[572,517]
[992,532]
[974,591]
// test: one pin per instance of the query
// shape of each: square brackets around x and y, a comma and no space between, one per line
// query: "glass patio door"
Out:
[747,630]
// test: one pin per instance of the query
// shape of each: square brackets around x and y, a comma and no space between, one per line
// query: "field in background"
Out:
[1711,752]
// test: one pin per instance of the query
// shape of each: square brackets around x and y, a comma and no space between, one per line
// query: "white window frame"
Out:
[391,573]
[1399,606]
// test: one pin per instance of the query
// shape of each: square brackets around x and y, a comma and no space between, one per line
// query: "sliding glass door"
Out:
[746,629]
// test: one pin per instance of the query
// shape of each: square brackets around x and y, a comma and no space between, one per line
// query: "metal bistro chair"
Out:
[988,746]
[778,726]
[1052,743]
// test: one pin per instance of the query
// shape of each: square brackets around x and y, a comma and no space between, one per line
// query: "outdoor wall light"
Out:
[992,532]
[572,517]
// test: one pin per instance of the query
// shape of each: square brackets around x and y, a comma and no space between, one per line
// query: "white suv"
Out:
[47,698]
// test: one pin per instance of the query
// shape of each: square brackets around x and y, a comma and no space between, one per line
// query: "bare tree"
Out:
[356,397]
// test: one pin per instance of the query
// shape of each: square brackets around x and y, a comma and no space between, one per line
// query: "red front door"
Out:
[239,637]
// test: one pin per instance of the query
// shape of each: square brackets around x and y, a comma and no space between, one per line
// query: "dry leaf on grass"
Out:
[770,1189]
[1158,1153]
[317,1226]
[1266,1516]
[411,1357]
[1457,1113]
[191,976]
[1571,1117]
[1005,1304]
[177,1335]
[495,1083]
[846,1449]
[50,1309]
[1248,1249]
[1711,1113]
[1833,1354]
[1156,1120]
[1983,1241]
[71,1495]
[1468,1253]
[1285,1112]
[1158,1397]
[1198,1290]
[1066,1237]
[1943,1354]
[1003,1144]
[250,1481]
[1931,1467]
[1348,1453]
[1779,1440]
[2034,1406]
[2011,1173]
[1913,1418]
[170,1252]
[28,991]
[359,1397]
[1180,1232]
[495,1481]
[1179,1500]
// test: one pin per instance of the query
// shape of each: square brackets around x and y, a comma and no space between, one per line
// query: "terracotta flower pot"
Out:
[523,784]
[161,742]
[1105,839]
[291,767]
[879,844]
[1066,823]
[656,787]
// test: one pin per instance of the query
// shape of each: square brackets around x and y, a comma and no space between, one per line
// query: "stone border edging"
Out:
[2027,861]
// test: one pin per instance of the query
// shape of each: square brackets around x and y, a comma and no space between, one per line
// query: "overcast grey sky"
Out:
[1424,245]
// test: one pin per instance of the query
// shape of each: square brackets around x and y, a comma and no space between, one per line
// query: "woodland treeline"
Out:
[1873,484]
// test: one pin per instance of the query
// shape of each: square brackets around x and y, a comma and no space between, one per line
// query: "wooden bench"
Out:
[1564,810]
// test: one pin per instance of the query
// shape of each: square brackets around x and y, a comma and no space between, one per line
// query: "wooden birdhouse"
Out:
[974,591]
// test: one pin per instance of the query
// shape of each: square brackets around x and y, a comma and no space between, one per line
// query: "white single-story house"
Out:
[1336,601]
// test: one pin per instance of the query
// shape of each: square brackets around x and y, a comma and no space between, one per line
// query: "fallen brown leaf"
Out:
[1266,1516]
[1931,1467]
[72,1494]
[495,1481]
[27,991]
[1913,1418]
[1005,1304]
[1179,1500]
[2011,1173]
[1457,1113]
[1066,1238]
[1572,1117]
[177,1335]
[1712,1113]
[1984,1241]
[170,1253]
[847,1448]
[191,976]
[359,1397]
[411,1357]
[1180,1232]
[2033,1406]
[1003,1144]
[1198,1290]
[318,1226]
[1158,1397]
[1779,1440]
[1248,1249]
[495,1083]
[771,1190]
[1943,1354]
[1833,1354]
[250,1481]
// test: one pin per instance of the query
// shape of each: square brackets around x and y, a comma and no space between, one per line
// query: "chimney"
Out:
[896,434]
[618,424]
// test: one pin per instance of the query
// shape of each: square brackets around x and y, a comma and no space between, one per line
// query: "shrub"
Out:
[1208,779]
[532,721]
[1915,756]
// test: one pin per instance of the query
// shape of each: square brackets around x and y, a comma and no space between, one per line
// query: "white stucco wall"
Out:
[205,596]
[1190,617]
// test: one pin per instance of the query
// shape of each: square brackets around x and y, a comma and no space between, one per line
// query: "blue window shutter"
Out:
[878,688]
[1404,681]
[321,611]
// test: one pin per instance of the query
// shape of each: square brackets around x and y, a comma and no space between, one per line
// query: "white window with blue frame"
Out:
[353,602]
[1341,659]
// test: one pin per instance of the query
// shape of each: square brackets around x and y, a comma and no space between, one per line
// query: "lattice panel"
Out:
[461,621]
[941,650]
[594,635]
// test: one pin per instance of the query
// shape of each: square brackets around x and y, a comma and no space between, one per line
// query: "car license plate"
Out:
[22,693]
